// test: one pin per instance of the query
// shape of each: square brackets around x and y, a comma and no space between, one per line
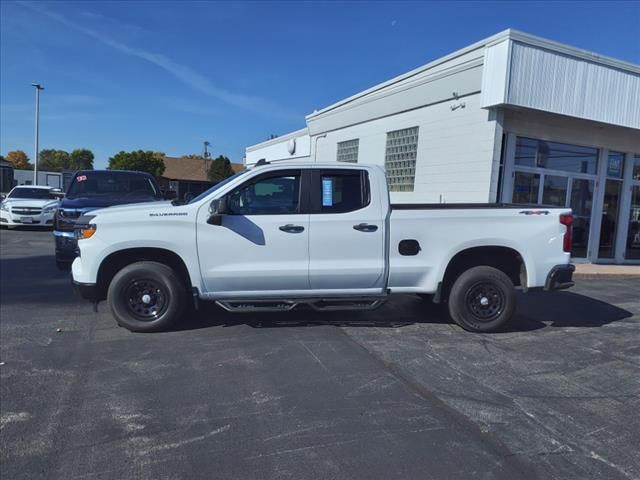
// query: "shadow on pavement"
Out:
[567,309]
[29,228]
[534,311]
[36,280]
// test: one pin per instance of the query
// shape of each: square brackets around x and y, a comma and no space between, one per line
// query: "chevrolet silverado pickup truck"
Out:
[278,236]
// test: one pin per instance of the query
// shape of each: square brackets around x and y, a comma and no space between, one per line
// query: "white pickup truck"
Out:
[326,235]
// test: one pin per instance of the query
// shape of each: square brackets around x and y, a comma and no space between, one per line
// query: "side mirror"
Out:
[59,194]
[169,195]
[218,208]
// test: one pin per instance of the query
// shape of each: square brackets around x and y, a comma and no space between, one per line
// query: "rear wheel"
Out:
[482,299]
[146,297]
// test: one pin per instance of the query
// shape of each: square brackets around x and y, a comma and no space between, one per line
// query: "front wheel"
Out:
[146,297]
[482,299]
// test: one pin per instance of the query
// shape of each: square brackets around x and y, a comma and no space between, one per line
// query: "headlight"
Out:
[86,231]
[4,206]
[49,209]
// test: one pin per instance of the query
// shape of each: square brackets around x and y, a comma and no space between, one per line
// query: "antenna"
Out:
[207,154]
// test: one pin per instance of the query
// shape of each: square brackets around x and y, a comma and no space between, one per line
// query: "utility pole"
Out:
[206,156]
[35,156]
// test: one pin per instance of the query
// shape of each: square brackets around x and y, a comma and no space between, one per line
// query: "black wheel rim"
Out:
[146,299]
[485,301]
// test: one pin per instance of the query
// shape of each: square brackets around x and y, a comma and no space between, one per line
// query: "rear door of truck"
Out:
[346,232]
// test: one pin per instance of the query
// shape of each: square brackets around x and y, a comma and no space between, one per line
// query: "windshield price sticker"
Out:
[327,192]
[81,178]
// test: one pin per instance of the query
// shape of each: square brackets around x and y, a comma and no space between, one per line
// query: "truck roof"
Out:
[308,164]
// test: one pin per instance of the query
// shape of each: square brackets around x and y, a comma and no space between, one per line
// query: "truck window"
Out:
[277,194]
[342,191]
[111,184]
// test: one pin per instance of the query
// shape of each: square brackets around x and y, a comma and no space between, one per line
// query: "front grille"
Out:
[26,211]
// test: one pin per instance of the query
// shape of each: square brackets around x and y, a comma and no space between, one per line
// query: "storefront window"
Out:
[615,165]
[556,156]
[525,187]
[555,191]
[526,149]
[636,167]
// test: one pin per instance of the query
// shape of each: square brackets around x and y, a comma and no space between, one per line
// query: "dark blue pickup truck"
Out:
[93,189]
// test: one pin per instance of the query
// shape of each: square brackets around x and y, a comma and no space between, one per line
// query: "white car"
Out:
[320,235]
[29,205]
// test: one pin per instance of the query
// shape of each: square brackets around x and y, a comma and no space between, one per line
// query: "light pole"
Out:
[35,167]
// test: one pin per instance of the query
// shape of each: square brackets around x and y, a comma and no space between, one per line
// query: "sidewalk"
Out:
[591,270]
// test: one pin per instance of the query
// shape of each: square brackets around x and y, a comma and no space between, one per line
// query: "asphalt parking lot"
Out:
[395,393]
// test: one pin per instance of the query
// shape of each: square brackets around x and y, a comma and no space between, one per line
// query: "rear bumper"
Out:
[560,277]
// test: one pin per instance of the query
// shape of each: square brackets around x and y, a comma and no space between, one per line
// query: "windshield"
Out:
[34,193]
[118,184]
[218,185]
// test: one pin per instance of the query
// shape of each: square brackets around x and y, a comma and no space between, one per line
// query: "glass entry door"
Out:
[632,243]
[610,214]
[632,251]
[581,203]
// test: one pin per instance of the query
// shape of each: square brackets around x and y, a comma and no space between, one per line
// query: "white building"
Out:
[25,177]
[513,118]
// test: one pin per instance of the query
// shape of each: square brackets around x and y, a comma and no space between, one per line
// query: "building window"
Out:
[636,167]
[348,151]
[400,159]
[556,156]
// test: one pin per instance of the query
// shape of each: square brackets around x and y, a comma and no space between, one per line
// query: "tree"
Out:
[139,160]
[53,160]
[220,169]
[81,159]
[20,160]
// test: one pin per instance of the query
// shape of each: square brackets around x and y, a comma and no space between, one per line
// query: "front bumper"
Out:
[10,219]
[88,291]
[560,277]
[66,245]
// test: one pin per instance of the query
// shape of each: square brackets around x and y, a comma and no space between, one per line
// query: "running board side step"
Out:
[318,304]
[257,305]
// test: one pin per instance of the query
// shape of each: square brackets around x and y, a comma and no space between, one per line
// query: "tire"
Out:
[482,299]
[146,297]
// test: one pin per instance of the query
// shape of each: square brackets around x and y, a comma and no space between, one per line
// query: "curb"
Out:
[605,276]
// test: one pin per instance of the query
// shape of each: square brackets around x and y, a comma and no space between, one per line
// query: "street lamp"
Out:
[35,167]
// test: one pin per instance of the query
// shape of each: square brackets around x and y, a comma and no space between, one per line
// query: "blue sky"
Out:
[167,76]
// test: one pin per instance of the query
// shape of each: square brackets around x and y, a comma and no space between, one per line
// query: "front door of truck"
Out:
[262,244]
[347,232]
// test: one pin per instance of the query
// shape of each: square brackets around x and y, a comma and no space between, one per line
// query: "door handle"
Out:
[290,228]
[365,227]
